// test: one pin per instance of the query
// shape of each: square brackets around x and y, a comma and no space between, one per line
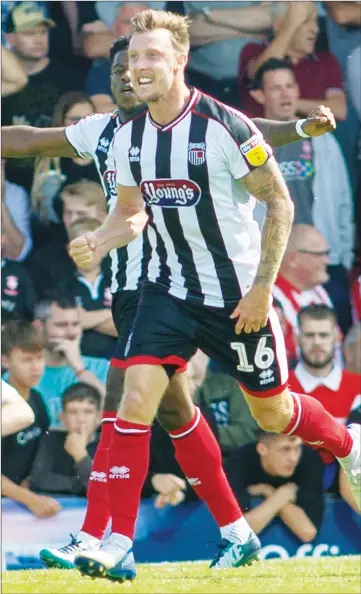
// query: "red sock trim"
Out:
[188,427]
[122,426]
[109,416]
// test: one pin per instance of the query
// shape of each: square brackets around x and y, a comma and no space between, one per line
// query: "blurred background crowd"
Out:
[278,60]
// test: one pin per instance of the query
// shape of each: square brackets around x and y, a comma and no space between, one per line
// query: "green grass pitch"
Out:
[311,576]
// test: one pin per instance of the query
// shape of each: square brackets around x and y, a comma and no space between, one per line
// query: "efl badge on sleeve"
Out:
[254,151]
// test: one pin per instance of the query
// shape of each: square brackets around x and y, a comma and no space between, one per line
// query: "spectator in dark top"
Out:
[91,290]
[318,74]
[28,37]
[24,357]
[289,478]
[64,458]
[51,263]
[18,297]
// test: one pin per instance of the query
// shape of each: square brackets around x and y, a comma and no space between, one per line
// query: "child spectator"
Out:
[59,316]
[91,291]
[64,458]
[24,358]
[287,476]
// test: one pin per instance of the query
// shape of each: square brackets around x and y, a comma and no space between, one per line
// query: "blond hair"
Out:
[88,191]
[82,226]
[150,20]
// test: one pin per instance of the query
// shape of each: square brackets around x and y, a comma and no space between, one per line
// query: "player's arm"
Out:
[13,75]
[26,141]
[267,185]
[319,121]
[126,221]
[16,414]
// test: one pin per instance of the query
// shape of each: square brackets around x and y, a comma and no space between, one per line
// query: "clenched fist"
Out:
[83,250]
[319,121]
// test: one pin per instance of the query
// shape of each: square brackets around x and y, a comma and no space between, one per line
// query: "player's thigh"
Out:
[176,408]
[163,332]
[257,360]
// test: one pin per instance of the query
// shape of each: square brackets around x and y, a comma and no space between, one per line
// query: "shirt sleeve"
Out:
[83,135]
[244,146]
[332,73]
[122,142]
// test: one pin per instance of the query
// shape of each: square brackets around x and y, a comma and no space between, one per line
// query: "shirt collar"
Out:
[309,382]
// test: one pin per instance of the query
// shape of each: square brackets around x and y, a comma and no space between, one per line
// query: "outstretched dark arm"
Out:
[26,141]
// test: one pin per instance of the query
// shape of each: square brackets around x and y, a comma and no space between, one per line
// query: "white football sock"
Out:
[238,531]
[124,541]
[85,537]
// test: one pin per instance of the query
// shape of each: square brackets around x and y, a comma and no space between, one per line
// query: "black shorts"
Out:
[124,310]
[168,331]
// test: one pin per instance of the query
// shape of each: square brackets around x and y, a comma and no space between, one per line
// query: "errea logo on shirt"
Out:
[103,144]
[134,154]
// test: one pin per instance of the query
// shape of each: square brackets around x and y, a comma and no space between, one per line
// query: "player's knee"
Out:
[133,407]
[173,417]
[275,415]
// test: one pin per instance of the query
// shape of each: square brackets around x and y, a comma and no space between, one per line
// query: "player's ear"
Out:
[181,60]
[258,95]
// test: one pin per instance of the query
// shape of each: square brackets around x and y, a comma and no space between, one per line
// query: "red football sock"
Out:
[98,513]
[199,456]
[128,467]
[316,426]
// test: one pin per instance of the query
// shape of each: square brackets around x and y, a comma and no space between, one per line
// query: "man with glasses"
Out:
[299,283]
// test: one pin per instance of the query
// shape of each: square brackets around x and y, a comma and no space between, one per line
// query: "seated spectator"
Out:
[114,20]
[15,215]
[59,316]
[64,458]
[23,356]
[13,75]
[312,168]
[18,296]
[224,406]
[16,413]
[352,349]
[91,291]
[52,172]
[300,279]
[28,36]
[52,262]
[318,74]
[287,475]
[218,32]
[317,374]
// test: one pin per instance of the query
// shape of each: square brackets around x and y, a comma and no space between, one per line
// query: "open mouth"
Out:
[127,91]
[145,81]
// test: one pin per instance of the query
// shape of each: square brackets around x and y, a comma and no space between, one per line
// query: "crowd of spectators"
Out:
[276,60]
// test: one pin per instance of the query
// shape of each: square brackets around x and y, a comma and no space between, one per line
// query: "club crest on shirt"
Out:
[109,178]
[254,151]
[196,153]
[171,193]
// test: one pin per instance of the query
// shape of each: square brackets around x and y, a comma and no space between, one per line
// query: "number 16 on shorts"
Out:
[263,358]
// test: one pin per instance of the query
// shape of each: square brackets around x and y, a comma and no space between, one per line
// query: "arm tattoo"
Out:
[277,133]
[267,185]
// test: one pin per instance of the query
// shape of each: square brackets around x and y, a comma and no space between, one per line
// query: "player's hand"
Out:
[43,507]
[83,250]
[253,310]
[174,498]
[319,121]
[167,483]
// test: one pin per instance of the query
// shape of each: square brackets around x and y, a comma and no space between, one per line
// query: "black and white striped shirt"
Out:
[92,138]
[205,242]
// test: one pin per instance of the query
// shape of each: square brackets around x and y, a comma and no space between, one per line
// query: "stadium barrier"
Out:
[185,533]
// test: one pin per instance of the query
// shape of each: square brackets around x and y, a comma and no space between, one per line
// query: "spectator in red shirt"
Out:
[318,74]
[318,375]
[301,276]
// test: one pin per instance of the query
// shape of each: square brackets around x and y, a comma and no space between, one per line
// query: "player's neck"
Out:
[167,109]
